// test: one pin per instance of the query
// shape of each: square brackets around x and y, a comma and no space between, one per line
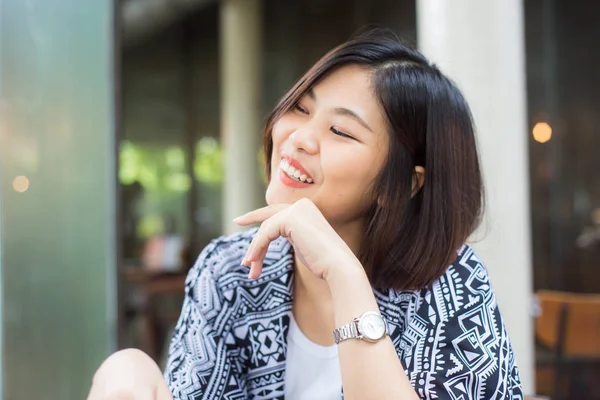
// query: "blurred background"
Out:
[130,137]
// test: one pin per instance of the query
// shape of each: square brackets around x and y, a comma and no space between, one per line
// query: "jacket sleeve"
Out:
[457,343]
[200,363]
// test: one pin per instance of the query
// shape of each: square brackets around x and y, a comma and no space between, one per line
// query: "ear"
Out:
[417,180]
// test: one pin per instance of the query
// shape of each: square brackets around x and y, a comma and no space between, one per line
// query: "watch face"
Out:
[372,326]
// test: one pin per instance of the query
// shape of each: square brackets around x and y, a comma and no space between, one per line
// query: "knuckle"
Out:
[304,202]
[263,228]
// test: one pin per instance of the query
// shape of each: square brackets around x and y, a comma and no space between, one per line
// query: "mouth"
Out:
[295,171]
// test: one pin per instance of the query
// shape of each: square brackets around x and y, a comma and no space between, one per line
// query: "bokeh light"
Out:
[542,132]
[20,184]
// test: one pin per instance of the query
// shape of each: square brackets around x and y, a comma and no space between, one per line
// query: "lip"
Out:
[287,181]
[296,164]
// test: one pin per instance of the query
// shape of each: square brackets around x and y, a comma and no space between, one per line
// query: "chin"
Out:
[279,194]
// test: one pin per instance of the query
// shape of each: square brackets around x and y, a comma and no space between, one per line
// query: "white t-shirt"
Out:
[312,371]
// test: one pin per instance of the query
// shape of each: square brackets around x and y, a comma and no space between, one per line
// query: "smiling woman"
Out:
[322,137]
[359,283]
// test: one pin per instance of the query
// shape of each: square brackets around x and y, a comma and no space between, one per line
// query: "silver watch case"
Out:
[371,327]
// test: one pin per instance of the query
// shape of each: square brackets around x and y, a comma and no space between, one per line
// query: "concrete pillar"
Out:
[480,44]
[241,119]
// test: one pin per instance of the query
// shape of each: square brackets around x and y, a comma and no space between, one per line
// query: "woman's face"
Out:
[331,147]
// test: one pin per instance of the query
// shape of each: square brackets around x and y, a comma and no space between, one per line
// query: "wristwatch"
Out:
[370,326]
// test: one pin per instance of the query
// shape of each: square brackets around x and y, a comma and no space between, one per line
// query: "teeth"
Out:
[294,173]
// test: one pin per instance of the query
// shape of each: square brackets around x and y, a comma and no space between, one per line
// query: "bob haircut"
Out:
[410,238]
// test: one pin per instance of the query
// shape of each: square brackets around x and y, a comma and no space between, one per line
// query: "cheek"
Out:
[278,136]
[282,129]
[352,174]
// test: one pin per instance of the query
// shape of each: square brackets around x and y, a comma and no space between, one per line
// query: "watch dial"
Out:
[372,326]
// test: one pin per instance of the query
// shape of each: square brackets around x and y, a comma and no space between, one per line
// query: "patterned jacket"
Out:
[231,339]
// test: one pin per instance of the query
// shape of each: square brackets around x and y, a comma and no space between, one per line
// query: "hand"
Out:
[316,244]
[129,375]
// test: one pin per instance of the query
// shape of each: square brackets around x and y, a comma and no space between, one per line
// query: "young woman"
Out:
[359,282]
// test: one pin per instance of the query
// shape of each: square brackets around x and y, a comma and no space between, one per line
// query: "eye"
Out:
[340,133]
[301,109]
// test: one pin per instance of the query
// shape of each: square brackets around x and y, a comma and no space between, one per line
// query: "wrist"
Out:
[350,289]
[344,269]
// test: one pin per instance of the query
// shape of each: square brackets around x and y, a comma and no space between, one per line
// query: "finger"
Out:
[257,266]
[260,214]
[247,260]
[249,257]
[255,269]
[269,231]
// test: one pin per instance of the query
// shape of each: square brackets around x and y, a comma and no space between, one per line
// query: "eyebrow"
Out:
[353,115]
[342,111]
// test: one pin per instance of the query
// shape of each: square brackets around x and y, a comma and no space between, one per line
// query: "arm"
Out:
[369,370]
[440,355]
[467,354]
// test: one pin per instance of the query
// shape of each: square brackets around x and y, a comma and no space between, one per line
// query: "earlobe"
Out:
[418,179]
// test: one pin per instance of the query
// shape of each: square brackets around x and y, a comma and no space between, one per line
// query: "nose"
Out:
[305,139]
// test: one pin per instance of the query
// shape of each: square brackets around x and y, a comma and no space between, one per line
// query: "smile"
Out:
[294,173]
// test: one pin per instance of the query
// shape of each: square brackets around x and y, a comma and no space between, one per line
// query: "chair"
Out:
[569,326]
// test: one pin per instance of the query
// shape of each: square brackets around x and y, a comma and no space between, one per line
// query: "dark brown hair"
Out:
[409,241]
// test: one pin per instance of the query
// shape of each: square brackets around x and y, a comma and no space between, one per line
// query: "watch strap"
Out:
[348,331]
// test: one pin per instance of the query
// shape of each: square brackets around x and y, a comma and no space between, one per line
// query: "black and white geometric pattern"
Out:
[231,339]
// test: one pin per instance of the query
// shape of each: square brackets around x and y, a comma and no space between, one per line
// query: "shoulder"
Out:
[218,267]
[466,277]
[461,331]
[222,255]
[221,258]
[464,286]
[468,267]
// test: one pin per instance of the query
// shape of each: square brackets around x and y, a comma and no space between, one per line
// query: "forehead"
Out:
[350,81]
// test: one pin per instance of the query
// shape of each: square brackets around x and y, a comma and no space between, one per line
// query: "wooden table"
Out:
[150,284]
